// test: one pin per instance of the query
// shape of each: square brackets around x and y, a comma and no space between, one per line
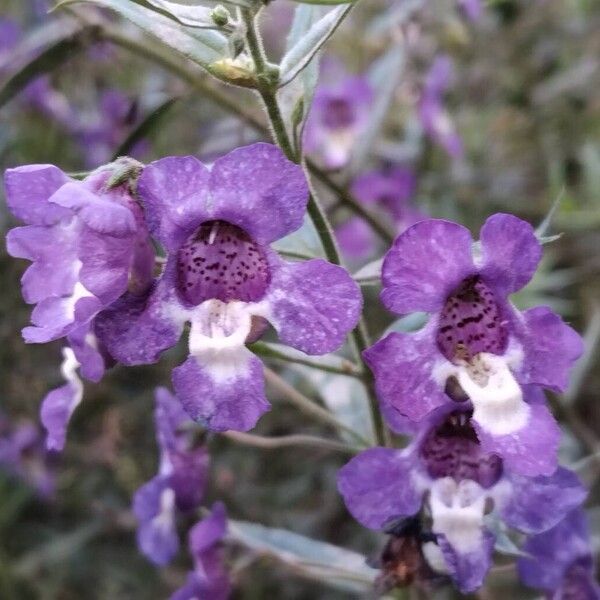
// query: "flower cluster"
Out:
[467,388]
[92,278]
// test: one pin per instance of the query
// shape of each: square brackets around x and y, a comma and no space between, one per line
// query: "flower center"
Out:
[338,114]
[220,261]
[452,450]
[471,322]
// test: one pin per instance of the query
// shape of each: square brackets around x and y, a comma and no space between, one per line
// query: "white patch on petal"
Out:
[79,291]
[165,519]
[68,369]
[218,336]
[497,398]
[457,511]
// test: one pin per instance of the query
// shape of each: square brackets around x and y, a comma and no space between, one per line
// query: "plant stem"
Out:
[268,93]
[267,351]
[309,407]
[289,441]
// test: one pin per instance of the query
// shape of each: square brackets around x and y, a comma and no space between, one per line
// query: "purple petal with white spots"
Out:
[234,400]
[539,503]
[532,450]
[377,486]
[28,189]
[174,193]
[313,304]
[424,266]
[402,364]
[511,252]
[468,570]
[551,347]
[258,189]
[156,535]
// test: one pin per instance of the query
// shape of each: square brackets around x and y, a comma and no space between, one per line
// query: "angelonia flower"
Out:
[560,561]
[434,117]
[209,578]
[338,116]
[22,455]
[389,192]
[462,488]
[223,279]
[88,244]
[177,488]
[476,346]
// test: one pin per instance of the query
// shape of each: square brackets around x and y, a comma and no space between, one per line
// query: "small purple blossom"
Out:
[209,579]
[560,560]
[22,454]
[476,344]
[88,245]
[447,470]
[388,191]
[221,277]
[338,115]
[434,117]
[178,486]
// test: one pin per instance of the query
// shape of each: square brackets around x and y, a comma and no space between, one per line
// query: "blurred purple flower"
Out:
[100,134]
[389,191]
[179,485]
[209,579]
[222,277]
[447,468]
[338,116]
[473,9]
[22,454]
[476,341]
[560,561]
[434,117]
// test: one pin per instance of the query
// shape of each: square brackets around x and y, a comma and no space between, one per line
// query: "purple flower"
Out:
[449,472]
[209,578]
[221,277]
[22,454]
[179,485]
[435,119]
[476,345]
[101,133]
[560,561]
[88,244]
[338,115]
[473,9]
[386,190]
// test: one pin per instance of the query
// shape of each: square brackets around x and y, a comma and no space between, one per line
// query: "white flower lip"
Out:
[497,398]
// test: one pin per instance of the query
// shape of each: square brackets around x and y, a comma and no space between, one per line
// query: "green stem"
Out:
[316,212]
[289,441]
[267,351]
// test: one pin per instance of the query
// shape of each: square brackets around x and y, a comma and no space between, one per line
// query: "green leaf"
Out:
[52,57]
[151,122]
[323,562]
[305,48]
[193,16]
[203,46]
[384,77]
